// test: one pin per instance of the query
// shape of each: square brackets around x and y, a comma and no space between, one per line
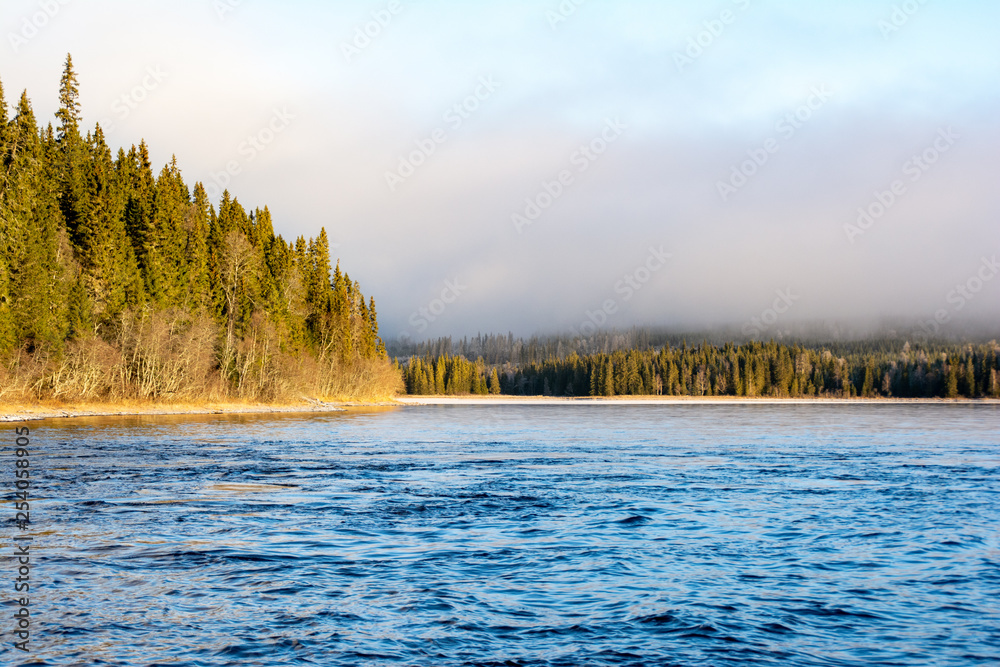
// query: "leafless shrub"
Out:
[358,379]
[83,372]
[164,355]
[172,355]
[258,364]
[26,372]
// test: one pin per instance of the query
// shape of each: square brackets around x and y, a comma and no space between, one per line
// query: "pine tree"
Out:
[340,300]
[37,280]
[139,186]
[951,382]
[164,240]
[80,310]
[69,100]
[867,383]
[324,303]
[110,271]
[608,380]
[194,281]
[8,330]
[376,344]
[439,376]
[969,379]
[73,159]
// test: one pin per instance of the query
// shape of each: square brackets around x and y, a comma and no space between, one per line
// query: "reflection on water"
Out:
[521,535]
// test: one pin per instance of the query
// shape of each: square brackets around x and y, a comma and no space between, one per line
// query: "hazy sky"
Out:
[671,163]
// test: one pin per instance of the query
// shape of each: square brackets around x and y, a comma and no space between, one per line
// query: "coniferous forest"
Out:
[119,283]
[866,369]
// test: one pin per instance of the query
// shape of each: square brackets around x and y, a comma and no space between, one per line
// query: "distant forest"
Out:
[116,283]
[632,364]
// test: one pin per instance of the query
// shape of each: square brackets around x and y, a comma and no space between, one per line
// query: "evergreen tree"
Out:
[772,369]
[33,244]
[95,246]
[136,177]
[165,238]
[439,377]
[195,279]
[951,385]
[73,159]
[110,272]
[8,330]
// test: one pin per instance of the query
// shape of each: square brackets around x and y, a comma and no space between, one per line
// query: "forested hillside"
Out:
[117,282]
[861,369]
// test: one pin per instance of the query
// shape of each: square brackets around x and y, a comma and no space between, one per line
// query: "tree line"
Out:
[866,369]
[119,282]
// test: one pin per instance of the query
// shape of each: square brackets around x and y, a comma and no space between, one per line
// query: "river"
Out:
[517,535]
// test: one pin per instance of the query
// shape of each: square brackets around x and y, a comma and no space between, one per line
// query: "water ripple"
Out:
[522,536]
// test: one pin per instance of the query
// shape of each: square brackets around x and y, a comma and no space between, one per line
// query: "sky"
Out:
[555,167]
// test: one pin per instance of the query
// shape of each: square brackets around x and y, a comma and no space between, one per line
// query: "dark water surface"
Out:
[518,535]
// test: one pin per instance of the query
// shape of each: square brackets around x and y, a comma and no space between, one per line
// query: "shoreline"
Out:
[19,412]
[680,400]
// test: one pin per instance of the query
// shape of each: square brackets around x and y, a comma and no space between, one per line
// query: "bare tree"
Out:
[237,260]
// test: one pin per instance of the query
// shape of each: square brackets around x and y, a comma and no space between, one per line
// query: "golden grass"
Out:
[173,359]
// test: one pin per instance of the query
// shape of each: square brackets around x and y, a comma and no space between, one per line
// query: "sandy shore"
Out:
[18,412]
[55,410]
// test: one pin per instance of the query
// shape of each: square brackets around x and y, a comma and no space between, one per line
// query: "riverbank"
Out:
[17,412]
[54,409]
[672,400]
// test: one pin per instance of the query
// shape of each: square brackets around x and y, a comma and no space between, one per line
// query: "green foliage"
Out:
[752,370]
[32,237]
[448,375]
[91,244]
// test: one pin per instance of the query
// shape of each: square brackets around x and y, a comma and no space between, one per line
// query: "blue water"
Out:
[518,535]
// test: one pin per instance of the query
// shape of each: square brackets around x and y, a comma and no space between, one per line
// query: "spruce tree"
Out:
[439,376]
[165,239]
[136,176]
[380,352]
[37,279]
[951,378]
[111,272]
[194,281]
[8,332]
[80,310]
[73,159]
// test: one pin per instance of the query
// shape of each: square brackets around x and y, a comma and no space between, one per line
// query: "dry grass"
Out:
[172,358]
